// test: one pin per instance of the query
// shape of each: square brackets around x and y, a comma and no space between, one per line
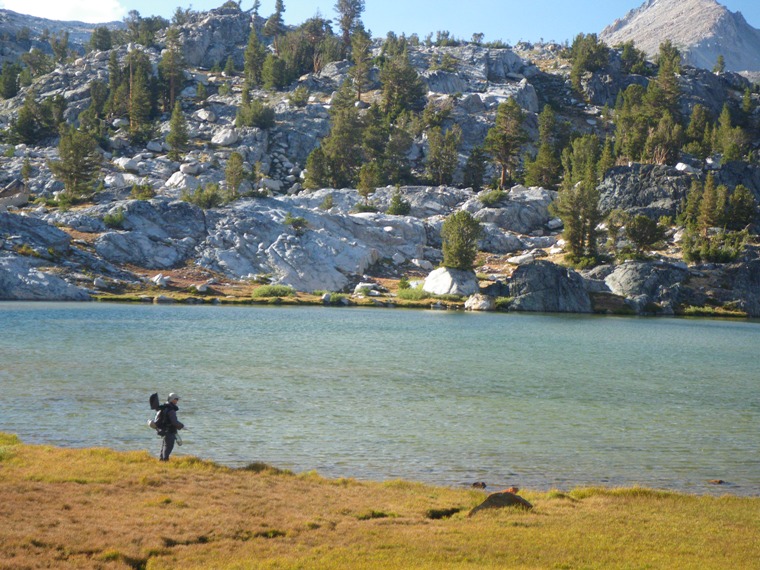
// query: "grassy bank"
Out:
[97,508]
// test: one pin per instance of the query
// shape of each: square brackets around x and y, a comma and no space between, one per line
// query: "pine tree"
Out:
[398,205]
[505,139]
[669,62]
[546,168]
[172,67]
[693,202]
[742,208]
[730,140]
[349,15]
[273,73]
[139,104]
[101,39]
[177,136]
[361,44]
[234,175]
[442,154]
[79,161]
[229,67]
[664,143]
[708,212]
[578,201]
[275,25]
[643,232]
[402,88]
[720,64]
[695,132]
[475,169]
[254,56]
[9,80]
[460,234]
[317,174]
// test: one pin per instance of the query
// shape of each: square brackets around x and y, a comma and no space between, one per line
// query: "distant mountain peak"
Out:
[702,29]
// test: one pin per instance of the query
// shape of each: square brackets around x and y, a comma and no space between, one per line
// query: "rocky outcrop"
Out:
[449,281]
[644,189]
[524,210]
[209,38]
[543,286]
[480,302]
[743,282]
[649,286]
[44,239]
[22,279]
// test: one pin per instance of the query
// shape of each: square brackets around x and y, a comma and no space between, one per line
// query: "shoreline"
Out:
[96,508]
[711,488]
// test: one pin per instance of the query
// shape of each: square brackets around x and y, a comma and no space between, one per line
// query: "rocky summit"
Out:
[702,29]
[163,223]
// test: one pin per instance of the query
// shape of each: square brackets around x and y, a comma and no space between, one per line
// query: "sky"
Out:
[507,20]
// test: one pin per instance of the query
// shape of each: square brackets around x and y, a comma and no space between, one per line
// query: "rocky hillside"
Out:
[318,240]
[702,29]
[20,32]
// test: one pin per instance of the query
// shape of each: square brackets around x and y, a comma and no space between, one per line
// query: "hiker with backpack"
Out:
[169,426]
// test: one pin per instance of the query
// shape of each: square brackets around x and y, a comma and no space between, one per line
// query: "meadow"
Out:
[98,508]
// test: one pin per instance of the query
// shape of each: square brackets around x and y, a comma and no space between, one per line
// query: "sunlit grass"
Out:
[97,508]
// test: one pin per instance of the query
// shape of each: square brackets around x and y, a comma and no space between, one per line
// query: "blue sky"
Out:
[508,20]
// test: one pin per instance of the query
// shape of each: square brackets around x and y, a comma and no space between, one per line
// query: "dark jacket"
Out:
[174,423]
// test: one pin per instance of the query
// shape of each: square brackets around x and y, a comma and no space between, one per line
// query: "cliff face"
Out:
[702,29]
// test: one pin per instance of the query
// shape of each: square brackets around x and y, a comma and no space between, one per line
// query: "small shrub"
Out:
[403,283]
[270,534]
[450,297]
[503,303]
[299,97]
[338,298]
[208,197]
[398,206]
[114,220]
[413,294]
[255,114]
[298,223]
[365,207]
[492,198]
[372,514]
[437,514]
[142,192]
[273,291]
[26,249]
[327,203]
[722,247]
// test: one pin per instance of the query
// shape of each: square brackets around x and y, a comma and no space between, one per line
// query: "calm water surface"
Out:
[448,398]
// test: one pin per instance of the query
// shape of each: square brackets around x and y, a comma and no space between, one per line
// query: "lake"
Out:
[538,401]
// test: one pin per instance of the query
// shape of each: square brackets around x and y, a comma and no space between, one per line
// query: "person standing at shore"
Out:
[173,425]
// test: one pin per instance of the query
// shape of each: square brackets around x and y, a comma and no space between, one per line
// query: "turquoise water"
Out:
[539,401]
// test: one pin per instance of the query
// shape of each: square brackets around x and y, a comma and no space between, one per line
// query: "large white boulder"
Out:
[226,137]
[448,281]
[183,181]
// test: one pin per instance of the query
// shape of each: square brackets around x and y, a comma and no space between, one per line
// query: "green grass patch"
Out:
[413,294]
[265,291]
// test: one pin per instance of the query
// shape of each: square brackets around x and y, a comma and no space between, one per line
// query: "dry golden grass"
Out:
[96,508]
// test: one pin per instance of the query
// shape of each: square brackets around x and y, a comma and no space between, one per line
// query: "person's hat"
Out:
[172,397]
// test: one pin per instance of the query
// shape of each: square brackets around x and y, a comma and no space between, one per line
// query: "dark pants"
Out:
[167,445]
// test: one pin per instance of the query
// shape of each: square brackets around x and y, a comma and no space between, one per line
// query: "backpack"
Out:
[160,422]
